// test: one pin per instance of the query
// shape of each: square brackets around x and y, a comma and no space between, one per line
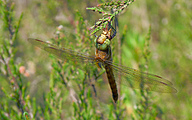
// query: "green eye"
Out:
[103,46]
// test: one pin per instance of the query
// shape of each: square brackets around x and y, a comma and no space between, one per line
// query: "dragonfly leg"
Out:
[114,32]
[94,28]
[110,27]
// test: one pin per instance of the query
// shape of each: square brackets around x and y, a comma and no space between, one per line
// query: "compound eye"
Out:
[103,46]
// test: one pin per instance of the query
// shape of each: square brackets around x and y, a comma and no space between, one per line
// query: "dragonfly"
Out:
[103,58]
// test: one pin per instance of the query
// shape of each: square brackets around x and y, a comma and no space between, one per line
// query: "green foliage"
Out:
[17,98]
[104,9]
[154,36]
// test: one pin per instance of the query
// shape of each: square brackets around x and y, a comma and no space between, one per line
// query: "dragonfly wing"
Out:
[137,79]
[63,53]
[39,43]
[67,54]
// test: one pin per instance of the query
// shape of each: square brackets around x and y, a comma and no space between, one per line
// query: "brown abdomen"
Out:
[112,82]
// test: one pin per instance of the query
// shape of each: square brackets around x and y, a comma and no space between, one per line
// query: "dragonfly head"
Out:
[103,41]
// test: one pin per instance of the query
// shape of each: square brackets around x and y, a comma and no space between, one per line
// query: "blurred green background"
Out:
[170,54]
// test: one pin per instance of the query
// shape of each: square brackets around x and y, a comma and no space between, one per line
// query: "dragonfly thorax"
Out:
[103,51]
[102,44]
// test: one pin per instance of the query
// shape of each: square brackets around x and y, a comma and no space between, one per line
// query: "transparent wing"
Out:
[63,53]
[40,44]
[137,79]
[130,77]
